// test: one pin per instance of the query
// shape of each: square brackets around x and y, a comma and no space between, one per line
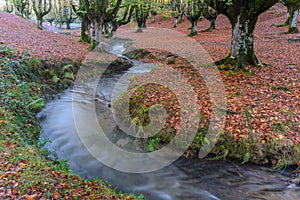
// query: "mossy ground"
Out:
[26,172]
[250,146]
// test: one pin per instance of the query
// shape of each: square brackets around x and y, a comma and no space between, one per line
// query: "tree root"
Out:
[192,34]
[210,29]
[293,30]
[229,63]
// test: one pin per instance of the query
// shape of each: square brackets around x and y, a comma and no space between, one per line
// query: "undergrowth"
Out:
[26,170]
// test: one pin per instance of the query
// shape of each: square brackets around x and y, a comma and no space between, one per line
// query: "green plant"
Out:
[281,164]
[153,142]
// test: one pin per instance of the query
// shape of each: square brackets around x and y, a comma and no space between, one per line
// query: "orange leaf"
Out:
[56,195]
[31,197]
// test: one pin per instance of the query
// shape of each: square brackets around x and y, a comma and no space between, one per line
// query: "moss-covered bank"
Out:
[26,172]
[246,147]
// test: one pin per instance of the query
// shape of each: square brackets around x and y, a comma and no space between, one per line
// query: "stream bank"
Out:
[250,147]
[184,179]
[25,168]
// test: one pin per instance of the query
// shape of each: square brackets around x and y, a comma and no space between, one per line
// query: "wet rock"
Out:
[138,54]
[122,142]
[171,61]
[41,115]
[294,182]
[118,65]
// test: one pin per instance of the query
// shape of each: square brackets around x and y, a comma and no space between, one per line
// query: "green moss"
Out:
[253,149]
[24,84]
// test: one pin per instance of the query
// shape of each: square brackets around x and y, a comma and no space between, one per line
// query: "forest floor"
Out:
[264,104]
[25,170]
[273,90]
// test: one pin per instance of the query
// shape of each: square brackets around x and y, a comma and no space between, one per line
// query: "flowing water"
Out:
[184,179]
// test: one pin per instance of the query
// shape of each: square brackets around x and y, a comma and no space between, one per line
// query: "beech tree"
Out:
[41,8]
[293,7]
[243,15]
[178,10]
[210,14]
[142,12]
[68,13]
[85,33]
[122,18]
[8,6]
[194,12]
[23,7]
[97,12]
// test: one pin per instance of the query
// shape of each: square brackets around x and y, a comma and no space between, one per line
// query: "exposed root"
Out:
[242,62]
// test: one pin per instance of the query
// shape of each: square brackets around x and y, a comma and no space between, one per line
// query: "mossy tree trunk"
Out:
[211,15]
[41,8]
[116,23]
[97,11]
[85,30]
[176,11]
[243,15]
[194,12]
[194,27]
[293,7]
[141,16]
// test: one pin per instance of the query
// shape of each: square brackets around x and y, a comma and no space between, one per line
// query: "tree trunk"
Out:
[153,18]
[40,22]
[242,43]
[175,22]
[144,23]
[68,24]
[212,24]
[140,28]
[293,12]
[243,15]
[193,28]
[96,34]
[85,33]
[114,28]
[182,17]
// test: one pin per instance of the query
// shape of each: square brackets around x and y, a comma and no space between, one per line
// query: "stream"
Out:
[184,179]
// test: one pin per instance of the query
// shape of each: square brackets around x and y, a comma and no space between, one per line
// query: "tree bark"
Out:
[85,31]
[211,15]
[40,23]
[242,42]
[153,19]
[175,22]
[243,15]
[97,34]
[294,12]
[140,27]
[68,25]
[194,28]
[85,34]
[293,7]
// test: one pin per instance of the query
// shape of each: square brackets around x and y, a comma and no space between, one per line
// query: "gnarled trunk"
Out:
[85,33]
[293,12]
[96,34]
[140,26]
[211,15]
[243,15]
[193,28]
[114,28]
[153,19]
[68,24]
[40,22]
[242,42]
[175,22]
